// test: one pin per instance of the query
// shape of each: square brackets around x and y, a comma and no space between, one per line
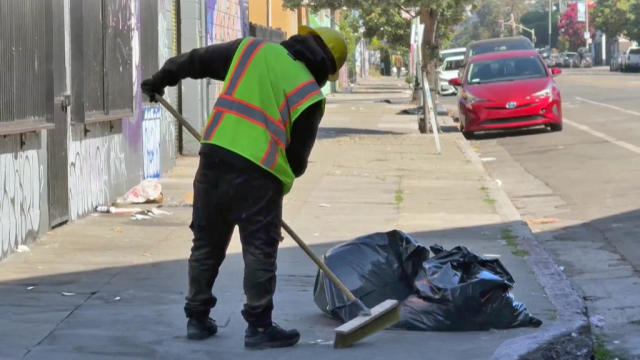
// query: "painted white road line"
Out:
[608,106]
[611,139]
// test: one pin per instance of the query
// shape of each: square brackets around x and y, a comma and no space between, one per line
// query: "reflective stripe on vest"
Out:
[254,114]
[295,98]
[237,73]
[241,66]
[270,157]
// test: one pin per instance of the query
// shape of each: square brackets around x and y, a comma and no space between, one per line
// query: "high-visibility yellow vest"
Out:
[264,93]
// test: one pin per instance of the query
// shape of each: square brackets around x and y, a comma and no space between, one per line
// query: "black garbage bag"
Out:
[455,290]
[374,267]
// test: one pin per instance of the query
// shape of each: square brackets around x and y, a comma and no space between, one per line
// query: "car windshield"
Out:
[453,65]
[489,48]
[507,69]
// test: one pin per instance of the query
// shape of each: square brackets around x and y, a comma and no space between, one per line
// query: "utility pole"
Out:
[586,10]
[550,9]
[268,13]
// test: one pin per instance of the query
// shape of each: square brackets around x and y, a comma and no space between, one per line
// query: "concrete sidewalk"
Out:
[109,287]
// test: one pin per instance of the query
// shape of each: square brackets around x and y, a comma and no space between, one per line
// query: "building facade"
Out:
[75,129]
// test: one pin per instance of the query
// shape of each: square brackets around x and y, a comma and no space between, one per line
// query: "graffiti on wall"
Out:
[21,183]
[226,20]
[151,141]
[96,164]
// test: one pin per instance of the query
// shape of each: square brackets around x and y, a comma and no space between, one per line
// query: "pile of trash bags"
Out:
[453,290]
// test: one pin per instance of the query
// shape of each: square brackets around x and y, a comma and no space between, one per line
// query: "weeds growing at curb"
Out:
[399,198]
[512,242]
[600,351]
[487,199]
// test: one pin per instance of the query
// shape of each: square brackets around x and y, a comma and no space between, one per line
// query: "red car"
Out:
[506,90]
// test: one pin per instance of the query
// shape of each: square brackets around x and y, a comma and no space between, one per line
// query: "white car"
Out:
[449,70]
[630,60]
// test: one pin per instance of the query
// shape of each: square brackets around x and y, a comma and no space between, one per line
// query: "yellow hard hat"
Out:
[334,41]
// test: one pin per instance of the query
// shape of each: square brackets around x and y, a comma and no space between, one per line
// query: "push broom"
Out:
[368,320]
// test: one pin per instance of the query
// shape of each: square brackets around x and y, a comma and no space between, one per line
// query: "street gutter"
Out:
[569,337]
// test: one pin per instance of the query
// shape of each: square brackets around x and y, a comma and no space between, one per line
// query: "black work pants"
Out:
[226,195]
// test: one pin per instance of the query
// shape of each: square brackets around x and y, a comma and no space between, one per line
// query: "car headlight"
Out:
[470,98]
[543,93]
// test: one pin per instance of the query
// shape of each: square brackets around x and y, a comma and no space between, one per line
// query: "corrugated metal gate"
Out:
[263,32]
[23,58]
[101,59]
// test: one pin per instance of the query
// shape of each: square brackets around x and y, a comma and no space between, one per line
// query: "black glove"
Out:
[151,89]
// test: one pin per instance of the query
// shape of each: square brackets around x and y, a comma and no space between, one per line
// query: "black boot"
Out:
[271,337]
[201,328]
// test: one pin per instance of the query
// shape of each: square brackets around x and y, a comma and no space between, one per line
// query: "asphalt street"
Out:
[579,189]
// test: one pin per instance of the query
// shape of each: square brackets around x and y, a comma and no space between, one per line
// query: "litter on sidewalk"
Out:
[105,209]
[148,191]
[455,290]
[148,214]
[23,248]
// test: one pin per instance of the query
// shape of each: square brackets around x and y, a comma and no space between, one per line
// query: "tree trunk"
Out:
[429,17]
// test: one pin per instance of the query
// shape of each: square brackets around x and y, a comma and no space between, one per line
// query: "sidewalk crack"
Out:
[91,295]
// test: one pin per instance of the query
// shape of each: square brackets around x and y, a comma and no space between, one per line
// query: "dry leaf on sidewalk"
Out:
[541,221]
[188,198]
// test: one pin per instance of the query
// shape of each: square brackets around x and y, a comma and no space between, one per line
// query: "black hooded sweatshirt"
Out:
[214,62]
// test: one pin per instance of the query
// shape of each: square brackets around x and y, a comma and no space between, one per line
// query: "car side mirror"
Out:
[455,82]
[556,71]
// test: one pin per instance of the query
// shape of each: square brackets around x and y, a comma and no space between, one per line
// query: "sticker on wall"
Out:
[151,141]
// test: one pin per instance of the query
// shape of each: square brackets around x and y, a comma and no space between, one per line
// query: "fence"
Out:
[263,32]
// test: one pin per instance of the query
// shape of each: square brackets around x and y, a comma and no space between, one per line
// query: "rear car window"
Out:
[489,48]
[453,65]
[635,51]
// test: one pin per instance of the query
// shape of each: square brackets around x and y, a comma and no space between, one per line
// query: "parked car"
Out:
[553,60]
[497,44]
[506,90]
[569,59]
[631,59]
[449,70]
[452,52]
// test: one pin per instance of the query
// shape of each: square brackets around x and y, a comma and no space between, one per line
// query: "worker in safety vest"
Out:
[257,140]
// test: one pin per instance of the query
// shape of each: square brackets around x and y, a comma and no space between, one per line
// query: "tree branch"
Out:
[408,12]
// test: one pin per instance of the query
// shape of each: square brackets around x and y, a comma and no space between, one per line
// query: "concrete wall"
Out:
[23,190]
[104,159]
[283,19]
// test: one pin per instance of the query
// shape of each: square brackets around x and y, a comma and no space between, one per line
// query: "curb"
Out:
[569,337]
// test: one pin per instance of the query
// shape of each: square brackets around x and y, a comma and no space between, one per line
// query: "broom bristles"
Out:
[382,316]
